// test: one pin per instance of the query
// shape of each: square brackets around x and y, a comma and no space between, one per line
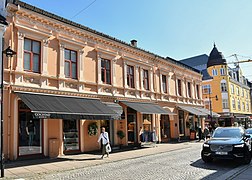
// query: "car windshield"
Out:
[249,131]
[227,133]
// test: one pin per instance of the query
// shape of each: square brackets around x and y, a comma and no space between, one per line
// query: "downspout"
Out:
[9,89]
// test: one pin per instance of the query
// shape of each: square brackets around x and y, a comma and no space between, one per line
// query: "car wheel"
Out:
[247,157]
[206,159]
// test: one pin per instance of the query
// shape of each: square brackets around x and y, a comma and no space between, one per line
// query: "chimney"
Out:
[133,43]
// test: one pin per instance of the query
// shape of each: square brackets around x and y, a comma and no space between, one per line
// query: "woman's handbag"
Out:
[108,148]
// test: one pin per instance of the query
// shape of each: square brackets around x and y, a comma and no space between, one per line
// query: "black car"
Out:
[227,143]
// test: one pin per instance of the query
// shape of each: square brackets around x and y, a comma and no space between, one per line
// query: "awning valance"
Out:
[214,114]
[192,110]
[146,107]
[62,107]
[199,111]
[116,108]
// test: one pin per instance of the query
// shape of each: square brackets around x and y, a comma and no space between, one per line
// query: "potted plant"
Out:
[121,135]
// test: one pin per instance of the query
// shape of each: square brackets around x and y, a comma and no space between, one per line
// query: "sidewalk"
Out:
[32,168]
[244,173]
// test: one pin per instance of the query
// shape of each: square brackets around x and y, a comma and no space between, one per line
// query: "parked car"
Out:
[249,132]
[227,143]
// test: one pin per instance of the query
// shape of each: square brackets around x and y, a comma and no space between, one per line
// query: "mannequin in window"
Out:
[31,131]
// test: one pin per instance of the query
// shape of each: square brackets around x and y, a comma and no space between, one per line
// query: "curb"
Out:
[233,173]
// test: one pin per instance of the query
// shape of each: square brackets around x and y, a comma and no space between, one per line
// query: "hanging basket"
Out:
[92,129]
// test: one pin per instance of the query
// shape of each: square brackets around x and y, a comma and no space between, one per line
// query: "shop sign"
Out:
[42,115]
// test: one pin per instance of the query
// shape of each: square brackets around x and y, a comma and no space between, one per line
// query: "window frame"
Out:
[223,87]
[179,81]
[71,62]
[146,79]
[31,56]
[130,77]
[164,83]
[104,71]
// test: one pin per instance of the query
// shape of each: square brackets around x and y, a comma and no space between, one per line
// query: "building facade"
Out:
[67,81]
[225,91]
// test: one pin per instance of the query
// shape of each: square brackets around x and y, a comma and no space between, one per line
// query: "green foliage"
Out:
[92,129]
[120,134]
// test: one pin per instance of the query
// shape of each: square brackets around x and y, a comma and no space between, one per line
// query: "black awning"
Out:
[145,108]
[62,107]
[116,108]
[193,110]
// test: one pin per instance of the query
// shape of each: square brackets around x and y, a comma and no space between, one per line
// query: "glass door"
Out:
[165,128]
[71,135]
[29,132]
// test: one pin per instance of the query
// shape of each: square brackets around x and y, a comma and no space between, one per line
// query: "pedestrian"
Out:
[141,137]
[206,133]
[104,138]
[200,133]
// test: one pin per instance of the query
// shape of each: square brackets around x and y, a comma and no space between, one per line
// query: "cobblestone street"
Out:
[178,164]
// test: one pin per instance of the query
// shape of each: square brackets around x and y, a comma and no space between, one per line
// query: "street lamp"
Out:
[210,107]
[9,53]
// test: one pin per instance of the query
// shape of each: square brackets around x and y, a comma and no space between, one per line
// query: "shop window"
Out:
[106,71]
[32,55]
[70,64]
[71,135]
[29,131]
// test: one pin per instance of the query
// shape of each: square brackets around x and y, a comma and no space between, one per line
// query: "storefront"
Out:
[43,117]
[144,117]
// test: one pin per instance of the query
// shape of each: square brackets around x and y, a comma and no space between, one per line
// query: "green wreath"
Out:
[92,129]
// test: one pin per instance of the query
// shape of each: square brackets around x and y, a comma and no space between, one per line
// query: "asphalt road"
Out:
[179,164]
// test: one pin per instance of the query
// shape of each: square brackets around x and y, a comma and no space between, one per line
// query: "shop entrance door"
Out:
[29,132]
[165,128]
[131,124]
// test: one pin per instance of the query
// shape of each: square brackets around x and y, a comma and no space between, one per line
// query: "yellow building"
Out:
[226,91]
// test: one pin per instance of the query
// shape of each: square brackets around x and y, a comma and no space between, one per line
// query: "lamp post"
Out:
[210,107]
[9,53]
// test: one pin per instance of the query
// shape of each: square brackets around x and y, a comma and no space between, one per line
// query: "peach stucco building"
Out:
[67,81]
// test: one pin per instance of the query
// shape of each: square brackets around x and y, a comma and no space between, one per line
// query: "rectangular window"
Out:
[130,76]
[206,89]
[189,89]
[247,106]
[243,106]
[70,64]
[232,88]
[224,103]
[145,79]
[32,55]
[222,71]
[164,84]
[242,93]
[233,103]
[71,135]
[214,72]
[239,104]
[223,87]
[106,71]
[179,87]
[197,91]
[237,91]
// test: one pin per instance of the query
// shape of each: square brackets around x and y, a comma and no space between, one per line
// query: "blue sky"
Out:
[175,28]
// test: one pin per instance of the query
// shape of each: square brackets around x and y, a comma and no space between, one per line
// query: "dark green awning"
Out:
[62,107]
